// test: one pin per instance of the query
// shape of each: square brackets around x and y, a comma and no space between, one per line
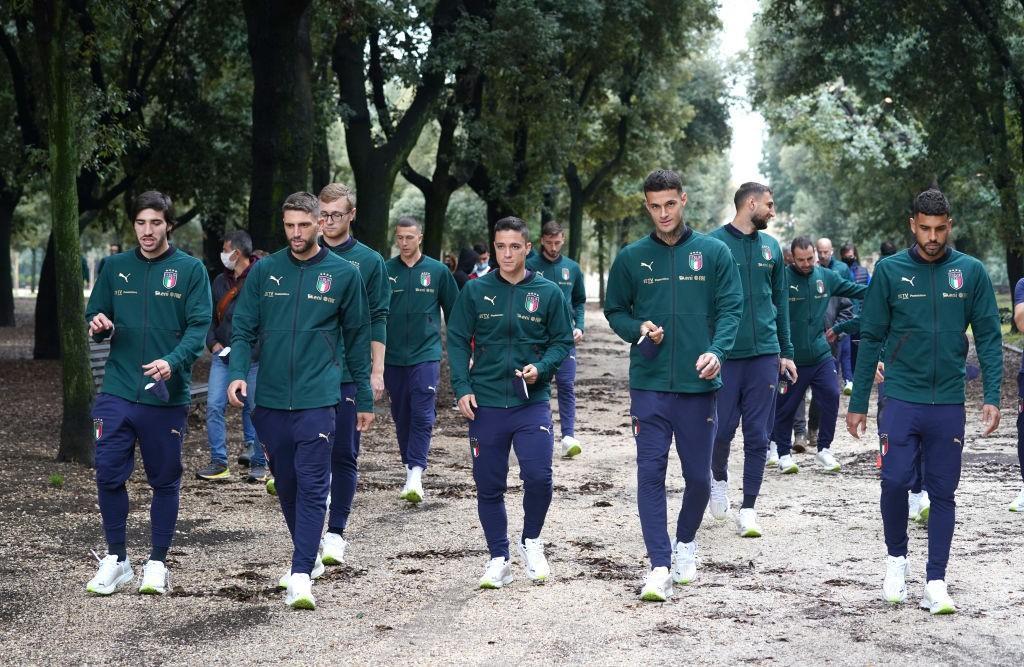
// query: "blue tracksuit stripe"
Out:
[747,391]
[935,433]
[298,444]
[159,431]
[413,391]
[492,434]
[657,416]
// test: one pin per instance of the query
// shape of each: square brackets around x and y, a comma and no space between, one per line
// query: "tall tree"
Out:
[282,111]
[53,33]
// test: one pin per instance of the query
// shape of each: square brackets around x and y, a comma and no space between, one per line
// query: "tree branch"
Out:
[376,74]
[24,101]
[172,23]
[421,182]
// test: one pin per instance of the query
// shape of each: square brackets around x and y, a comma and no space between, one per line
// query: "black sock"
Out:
[340,532]
[748,502]
[715,477]
[158,553]
[119,550]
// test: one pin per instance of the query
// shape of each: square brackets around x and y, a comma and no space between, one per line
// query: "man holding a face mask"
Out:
[237,258]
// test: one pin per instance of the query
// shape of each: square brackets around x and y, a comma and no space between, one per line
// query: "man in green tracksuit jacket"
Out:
[522,330]
[762,353]
[564,272]
[919,304]
[337,211]
[154,304]
[421,287]
[676,297]
[306,307]
[810,288]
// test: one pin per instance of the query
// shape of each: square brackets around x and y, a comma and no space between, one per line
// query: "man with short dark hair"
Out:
[236,256]
[483,261]
[810,289]
[307,307]
[522,329]
[154,305]
[337,212]
[421,288]
[676,297]
[919,305]
[564,272]
[761,354]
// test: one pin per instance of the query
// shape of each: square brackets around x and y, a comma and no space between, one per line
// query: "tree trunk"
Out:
[600,262]
[320,171]
[282,111]
[434,219]
[214,228]
[576,203]
[7,206]
[47,340]
[76,435]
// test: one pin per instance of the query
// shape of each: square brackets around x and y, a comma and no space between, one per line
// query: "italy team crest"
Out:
[696,261]
[883,443]
[532,302]
[323,283]
[565,273]
[956,278]
[97,428]
[170,278]
[821,286]
[766,252]
[474,447]
[425,279]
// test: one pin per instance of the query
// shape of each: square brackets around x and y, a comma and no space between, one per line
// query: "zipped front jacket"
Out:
[567,274]
[418,295]
[306,315]
[808,303]
[161,309]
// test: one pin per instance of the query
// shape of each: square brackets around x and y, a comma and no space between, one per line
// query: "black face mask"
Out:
[849,260]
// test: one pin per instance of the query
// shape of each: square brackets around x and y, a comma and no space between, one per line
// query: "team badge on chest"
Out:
[696,261]
[425,279]
[532,302]
[170,278]
[766,252]
[323,283]
[820,285]
[565,273]
[956,278]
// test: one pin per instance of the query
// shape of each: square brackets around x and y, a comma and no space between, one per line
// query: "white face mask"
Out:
[225,258]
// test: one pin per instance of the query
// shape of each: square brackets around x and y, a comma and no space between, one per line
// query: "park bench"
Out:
[98,353]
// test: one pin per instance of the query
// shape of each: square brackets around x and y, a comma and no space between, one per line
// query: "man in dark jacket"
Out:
[467,258]
[237,259]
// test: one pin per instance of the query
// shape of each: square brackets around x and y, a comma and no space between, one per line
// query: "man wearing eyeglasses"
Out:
[337,211]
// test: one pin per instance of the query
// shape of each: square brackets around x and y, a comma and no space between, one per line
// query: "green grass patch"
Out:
[56,480]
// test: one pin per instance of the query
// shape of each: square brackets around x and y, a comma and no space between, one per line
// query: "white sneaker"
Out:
[300,592]
[894,588]
[684,562]
[827,462]
[332,549]
[155,578]
[570,447]
[773,453]
[657,586]
[111,576]
[413,490]
[924,507]
[719,502]
[533,558]
[788,466]
[1018,503]
[913,506]
[847,388]
[936,599]
[498,573]
[746,523]
[318,570]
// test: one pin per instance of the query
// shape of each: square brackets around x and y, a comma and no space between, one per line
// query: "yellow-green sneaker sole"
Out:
[651,596]
[271,487]
[303,603]
[575,450]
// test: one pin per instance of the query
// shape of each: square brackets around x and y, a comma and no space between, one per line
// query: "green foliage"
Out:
[56,480]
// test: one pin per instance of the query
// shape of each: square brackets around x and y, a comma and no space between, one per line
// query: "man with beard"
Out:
[919,305]
[810,288]
[306,307]
[676,297]
[761,354]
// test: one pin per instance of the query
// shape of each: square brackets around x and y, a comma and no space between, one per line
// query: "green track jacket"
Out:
[418,294]
[161,309]
[306,315]
[513,325]
[765,325]
[921,310]
[565,273]
[375,280]
[808,301]
[692,290]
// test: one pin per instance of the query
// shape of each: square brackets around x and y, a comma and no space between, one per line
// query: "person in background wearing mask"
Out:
[238,259]
[848,344]
[483,259]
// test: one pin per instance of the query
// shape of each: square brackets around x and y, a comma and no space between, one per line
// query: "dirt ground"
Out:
[808,592]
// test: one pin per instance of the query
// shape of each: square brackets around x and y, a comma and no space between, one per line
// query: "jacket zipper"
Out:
[291,359]
[508,347]
[935,324]
[672,321]
[753,309]
[408,297]
[145,323]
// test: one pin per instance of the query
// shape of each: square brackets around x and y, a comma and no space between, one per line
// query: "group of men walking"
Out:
[721,333]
